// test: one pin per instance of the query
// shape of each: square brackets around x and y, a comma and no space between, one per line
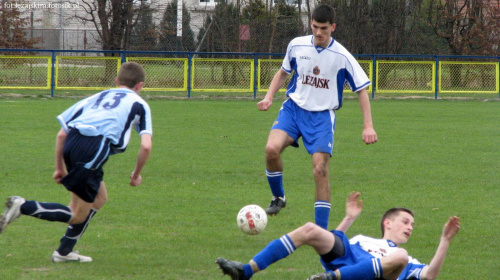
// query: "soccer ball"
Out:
[252,219]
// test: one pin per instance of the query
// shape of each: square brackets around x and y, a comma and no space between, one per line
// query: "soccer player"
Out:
[360,258]
[320,66]
[92,130]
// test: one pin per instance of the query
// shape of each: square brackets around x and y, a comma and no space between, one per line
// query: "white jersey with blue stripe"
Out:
[380,248]
[111,113]
[319,74]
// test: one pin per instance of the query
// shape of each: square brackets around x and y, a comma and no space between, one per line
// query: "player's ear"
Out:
[116,82]
[138,87]
[387,224]
[334,26]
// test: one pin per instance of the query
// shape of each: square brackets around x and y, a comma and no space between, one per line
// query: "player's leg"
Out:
[322,200]
[284,133]
[317,134]
[15,206]
[75,231]
[309,234]
[277,141]
[370,268]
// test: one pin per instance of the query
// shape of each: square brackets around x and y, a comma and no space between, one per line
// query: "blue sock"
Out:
[276,250]
[275,180]
[73,234]
[364,270]
[53,212]
[322,213]
[248,271]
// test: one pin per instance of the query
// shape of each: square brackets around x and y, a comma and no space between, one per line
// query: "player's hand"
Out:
[264,105]
[58,175]
[353,205]
[451,227]
[135,180]
[369,136]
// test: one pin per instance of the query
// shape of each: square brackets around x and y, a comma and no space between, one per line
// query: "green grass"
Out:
[437,157]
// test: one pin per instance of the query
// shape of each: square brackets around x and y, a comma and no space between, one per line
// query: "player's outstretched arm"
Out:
[142,158]
[277,82]
[369,135]
[353,208]
[450,229]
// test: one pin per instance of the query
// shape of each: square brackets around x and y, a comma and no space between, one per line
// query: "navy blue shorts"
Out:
[315,128]
[84,157]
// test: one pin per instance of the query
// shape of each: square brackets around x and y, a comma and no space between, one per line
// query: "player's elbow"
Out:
[61,135]
[429,274]
[147,146]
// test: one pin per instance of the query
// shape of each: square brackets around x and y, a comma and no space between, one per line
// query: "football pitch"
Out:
[437,157]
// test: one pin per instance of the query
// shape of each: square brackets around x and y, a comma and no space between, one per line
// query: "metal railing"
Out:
[238,72]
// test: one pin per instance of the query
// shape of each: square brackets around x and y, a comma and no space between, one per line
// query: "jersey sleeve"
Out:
[145,124]
[287,61]
[71,113]
[356,76]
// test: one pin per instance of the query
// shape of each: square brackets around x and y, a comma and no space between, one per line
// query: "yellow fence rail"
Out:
[182,72]
[25,72]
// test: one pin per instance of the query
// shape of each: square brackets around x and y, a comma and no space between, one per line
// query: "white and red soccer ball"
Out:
[252,219]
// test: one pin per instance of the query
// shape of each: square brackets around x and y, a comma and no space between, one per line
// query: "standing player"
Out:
[320,67]
[92,130]
[361,257]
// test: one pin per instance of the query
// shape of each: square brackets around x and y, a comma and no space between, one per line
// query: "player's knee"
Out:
[400,257]
[310,231]
[320,170]
[100,200]
[272,152]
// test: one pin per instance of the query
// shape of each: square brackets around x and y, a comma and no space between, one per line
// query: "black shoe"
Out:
[276,204]
[323,276]
[231,268]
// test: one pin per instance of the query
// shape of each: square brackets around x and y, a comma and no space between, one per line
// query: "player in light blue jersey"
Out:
[92,130]
[361,257]
[320,67]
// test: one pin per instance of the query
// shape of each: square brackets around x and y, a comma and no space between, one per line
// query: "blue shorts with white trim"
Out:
[315,128]
[353,254]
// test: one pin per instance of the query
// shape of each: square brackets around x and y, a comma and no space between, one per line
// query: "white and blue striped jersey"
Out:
[379,248]
[111,113]
[319,74]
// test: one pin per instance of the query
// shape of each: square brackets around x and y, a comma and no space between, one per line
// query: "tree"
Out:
[168,30]
[144,33]
[285,25]
[471,27]
[224,32]
[12,29]
[112,19]
[256,16]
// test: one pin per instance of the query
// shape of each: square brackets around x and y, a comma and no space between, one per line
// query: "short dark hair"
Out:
[131,74]
[324,13]
[391,214]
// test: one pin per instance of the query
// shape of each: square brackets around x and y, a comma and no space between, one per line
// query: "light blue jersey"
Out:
[319,74]
[111,113]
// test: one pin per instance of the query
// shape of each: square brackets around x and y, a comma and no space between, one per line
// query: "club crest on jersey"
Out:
[315,81]
[316,70]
